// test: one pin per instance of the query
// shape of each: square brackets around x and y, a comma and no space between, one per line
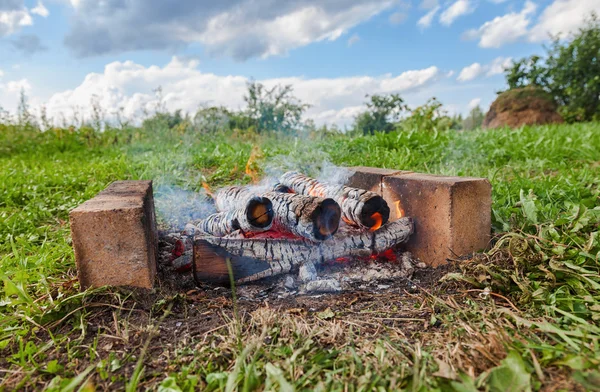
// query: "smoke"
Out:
[175,207]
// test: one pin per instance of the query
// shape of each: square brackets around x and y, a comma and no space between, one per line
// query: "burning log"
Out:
[360,207]
[255,258]
[313,218]
[255,217]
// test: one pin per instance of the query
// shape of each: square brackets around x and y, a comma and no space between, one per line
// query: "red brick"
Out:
[369,178]
[452,214]
[115,238]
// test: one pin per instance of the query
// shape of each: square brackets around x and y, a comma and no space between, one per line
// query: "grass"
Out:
[523,316]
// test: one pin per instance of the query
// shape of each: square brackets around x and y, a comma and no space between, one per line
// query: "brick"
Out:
[452,214]
[369,178]
[115,238]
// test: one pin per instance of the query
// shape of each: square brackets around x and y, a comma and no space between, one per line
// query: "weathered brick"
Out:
[369,178]
[115,238]
[452,214]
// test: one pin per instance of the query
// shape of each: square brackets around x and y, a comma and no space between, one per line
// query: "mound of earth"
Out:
[522,106]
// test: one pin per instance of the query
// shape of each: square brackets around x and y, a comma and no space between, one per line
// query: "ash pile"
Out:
[299,235]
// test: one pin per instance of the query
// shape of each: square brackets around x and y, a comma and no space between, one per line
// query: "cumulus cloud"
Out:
[128,87]
[40,10]
[475,70]
[13,16]
[456,10]
[1,73]
[562,17]
[471,72]
[504,29]
[427,19]
[499,65]
[10,91]
[474,103]
[238,28]
[28,44]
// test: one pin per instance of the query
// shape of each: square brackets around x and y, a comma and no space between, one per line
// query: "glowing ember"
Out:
[342,259]
[378,221]
[272,234]
[178,250]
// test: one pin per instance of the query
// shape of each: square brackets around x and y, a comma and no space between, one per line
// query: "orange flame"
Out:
[378,221]
[252,168]
[209,191]
[399,210]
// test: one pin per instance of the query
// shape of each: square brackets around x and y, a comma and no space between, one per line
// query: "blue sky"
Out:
[65,54]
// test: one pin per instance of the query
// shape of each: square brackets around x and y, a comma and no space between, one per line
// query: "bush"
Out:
[383,111]
[274,109]
[570,73]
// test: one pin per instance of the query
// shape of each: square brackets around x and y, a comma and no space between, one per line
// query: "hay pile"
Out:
[523,106]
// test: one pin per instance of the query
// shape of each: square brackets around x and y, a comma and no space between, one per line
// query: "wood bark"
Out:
[313,218]
[256,258]
[255,216]
[359,207]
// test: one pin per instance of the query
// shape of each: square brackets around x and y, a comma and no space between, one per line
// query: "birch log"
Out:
[359,207]
[313,218]
[256,258]
[255,216]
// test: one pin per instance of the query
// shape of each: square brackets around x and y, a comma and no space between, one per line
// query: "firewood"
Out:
[256,216]
[313,218]
[256,258]
[360,207]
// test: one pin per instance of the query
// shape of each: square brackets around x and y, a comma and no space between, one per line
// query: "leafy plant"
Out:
[383,111]
[570,72]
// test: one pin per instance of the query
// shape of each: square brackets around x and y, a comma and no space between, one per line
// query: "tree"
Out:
[570,73]
[574,73]
[381,114]
[212,119]
[275,109]
[474,120]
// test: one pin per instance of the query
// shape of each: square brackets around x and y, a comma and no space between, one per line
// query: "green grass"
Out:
[522,316]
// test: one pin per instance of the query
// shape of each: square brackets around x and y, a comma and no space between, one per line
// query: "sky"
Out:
[71,55]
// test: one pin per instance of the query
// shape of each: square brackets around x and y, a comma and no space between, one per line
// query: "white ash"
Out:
[307,272]
[321,286]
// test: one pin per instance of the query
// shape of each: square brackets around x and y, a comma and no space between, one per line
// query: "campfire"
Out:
[290,227]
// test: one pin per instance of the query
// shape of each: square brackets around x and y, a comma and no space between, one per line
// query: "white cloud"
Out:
[238,28]
[10,92]
[499,65]
[471,72]
[40,10]
[13,16]
[398,18]
[562,17]
[476,70]
[427,19]
[474,103]
[456,10]
[354,39]
[1,73]
[128,85]
[504,29]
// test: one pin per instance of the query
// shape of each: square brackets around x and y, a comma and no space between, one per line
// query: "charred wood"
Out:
[256,216]
[359,207]
[313,218]
[256,258]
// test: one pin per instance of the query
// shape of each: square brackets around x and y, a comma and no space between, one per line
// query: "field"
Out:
[523,316]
